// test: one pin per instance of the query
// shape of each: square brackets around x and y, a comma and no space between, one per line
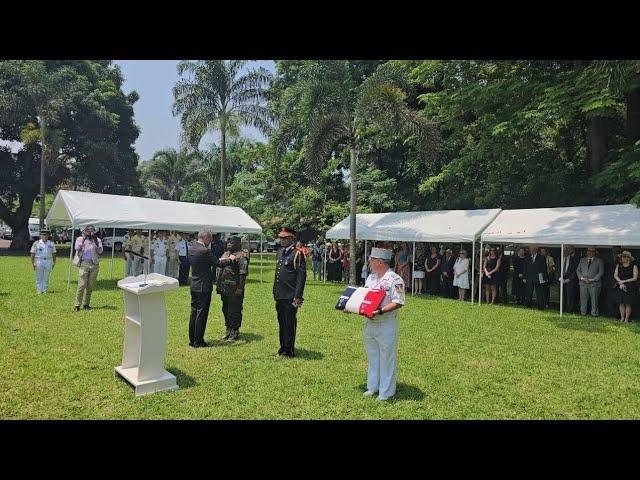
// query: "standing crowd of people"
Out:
[591,284]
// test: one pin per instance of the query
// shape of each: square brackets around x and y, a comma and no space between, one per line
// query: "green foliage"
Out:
[216,95]
[78,108]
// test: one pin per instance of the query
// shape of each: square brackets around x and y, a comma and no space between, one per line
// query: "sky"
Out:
[159,129]
[154,80]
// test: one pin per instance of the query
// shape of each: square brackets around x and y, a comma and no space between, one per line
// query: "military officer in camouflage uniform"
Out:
[230,285]
[288,288]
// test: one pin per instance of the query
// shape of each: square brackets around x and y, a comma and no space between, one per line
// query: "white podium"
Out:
[145,333]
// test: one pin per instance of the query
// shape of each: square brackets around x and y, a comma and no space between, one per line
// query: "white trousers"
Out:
[128,266]
[381,344]
[43,269]
[173,266]
[138,266]
[160,264]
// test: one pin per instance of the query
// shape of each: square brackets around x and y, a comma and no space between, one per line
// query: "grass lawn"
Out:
[456,361]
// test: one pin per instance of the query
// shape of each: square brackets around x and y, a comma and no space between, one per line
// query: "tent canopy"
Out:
[603,225]
[121,211]
[430,226]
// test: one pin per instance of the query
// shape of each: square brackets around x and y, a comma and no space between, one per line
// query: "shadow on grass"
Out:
[403,392]
[596,325]
[243,339]
[184,381]
[407,392]
[308,354]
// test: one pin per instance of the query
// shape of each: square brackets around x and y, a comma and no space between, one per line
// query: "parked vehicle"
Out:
[7,234]
[109,240]
[34,229]
[273,245]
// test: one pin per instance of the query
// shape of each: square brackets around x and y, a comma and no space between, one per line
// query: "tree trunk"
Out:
[352,216]
[597,147]
[223,161]
[43,166]
[633,112]
[19,222]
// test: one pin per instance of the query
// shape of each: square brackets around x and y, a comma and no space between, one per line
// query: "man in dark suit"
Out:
[202,264]
[446,268]
[570,279]
[288,288]
[535,277]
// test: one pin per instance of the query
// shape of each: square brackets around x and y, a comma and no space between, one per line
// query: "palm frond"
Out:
[323,137]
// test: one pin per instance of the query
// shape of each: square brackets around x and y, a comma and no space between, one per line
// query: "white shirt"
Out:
[182,248]
[159,247]
[393,285]
[43,250]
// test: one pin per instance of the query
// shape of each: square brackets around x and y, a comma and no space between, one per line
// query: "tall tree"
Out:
[88,128]
[326,102]
[217,95]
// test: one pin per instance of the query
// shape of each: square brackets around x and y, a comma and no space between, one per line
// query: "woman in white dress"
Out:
[461,274]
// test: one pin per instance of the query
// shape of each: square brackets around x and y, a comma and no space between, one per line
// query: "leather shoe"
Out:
[226,336]
[86,307]
[201,345]
[76,308]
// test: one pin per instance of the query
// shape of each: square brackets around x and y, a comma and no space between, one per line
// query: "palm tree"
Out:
[219,96]
[330,111]
[168,173]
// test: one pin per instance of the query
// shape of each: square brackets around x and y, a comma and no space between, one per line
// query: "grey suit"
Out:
[590,291]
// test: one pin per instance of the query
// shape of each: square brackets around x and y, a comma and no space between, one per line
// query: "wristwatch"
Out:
[378,312]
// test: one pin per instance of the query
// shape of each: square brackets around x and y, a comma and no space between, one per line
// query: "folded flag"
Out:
[361,300]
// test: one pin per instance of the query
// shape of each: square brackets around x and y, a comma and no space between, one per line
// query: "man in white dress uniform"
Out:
[43,258]
[381,332]
[159,254]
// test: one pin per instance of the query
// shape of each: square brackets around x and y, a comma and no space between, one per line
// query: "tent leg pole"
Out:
[413,269]
[149,256]
[261,248]
[473,268]
[480,277]
[113,246]
[561,279]
[71,247]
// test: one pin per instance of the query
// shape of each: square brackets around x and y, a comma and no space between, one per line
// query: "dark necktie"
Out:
[589,264]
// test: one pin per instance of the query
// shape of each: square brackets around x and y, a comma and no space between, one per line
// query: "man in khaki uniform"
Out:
[128,257]
[172,255]
[138,246]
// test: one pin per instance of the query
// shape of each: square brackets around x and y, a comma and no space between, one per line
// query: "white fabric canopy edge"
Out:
[121,211]
[421,226]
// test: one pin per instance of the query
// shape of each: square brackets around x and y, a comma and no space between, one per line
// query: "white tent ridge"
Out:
[602,225]
[121,211]
[425,226]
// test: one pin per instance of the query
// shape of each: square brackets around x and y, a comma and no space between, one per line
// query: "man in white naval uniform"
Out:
[159,254]
[381,332]
[43,258]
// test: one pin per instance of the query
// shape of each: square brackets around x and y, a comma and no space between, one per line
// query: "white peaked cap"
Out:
[382,253]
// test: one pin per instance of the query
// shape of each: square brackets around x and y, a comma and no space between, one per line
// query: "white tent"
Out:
[120,211]
[79,209]
[602,225]
[427,226]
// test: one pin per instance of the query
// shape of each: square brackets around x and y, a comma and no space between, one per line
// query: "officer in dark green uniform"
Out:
[288,288]
[230,286]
